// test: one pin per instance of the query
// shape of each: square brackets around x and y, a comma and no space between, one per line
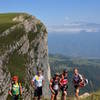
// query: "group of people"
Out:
[57,83]
[60,83]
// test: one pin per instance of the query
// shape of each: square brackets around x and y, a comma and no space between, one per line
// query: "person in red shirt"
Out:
[64,84]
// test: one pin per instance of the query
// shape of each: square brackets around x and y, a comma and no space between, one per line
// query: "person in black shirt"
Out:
[54,86]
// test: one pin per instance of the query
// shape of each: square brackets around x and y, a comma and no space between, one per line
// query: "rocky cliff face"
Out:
[23,49]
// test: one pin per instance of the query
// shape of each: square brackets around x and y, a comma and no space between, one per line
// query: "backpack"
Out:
[78,79]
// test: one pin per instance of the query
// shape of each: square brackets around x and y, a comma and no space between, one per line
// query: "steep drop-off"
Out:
[23,49]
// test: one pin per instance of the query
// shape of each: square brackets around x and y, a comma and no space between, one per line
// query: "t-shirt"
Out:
[78,78]
[54,83]
[38,80]
[64,81]
[16,89]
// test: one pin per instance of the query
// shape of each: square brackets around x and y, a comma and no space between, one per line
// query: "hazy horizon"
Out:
[64,17]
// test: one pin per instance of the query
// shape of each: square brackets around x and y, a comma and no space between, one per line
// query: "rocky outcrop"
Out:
[27,38]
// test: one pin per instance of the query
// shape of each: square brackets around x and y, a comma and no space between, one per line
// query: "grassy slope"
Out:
[16,64]
[94,96]
[6,21]
[10,38]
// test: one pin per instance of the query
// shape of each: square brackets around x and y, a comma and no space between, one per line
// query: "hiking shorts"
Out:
[64,88]
[15,97]
[38,92]
[76,87]
[56,92]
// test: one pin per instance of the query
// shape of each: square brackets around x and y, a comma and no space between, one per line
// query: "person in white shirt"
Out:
[77,80]
[38,83]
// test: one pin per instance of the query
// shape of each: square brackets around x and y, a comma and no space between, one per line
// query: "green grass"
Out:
[86,61]
[16,65]
[10,38]
[94,96]
[6,21]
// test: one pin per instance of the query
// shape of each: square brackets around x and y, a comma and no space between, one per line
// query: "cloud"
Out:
[67,18]
[75,28]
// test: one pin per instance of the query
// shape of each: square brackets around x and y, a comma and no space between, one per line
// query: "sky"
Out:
[57,12]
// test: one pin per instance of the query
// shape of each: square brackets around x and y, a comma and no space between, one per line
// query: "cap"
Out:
[15,78]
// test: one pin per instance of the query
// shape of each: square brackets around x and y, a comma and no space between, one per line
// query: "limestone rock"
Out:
[23,47]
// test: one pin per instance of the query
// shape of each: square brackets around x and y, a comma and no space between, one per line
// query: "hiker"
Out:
[64,84]
[15,89]
[38,83]
[78,81]
[54,86]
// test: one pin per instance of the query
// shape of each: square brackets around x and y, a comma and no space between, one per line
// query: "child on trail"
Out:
[15,89]
[38,83]
[64,84]
[54,86]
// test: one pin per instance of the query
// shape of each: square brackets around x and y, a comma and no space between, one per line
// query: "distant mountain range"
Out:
[76,44]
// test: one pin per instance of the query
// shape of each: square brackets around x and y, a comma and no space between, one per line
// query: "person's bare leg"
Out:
[64,95]
[52,96]
[77,93]
[39,97]
[55,98]
[34,98]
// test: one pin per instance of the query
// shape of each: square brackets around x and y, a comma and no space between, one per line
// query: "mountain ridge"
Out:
[23,50]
